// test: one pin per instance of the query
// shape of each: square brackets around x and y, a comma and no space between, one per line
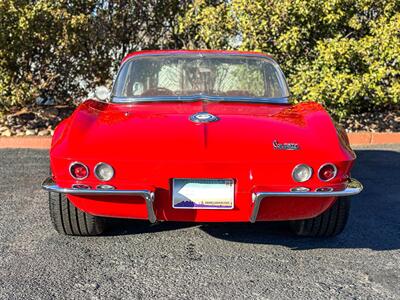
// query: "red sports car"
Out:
[200,136]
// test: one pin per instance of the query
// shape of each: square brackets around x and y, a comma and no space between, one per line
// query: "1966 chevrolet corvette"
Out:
[200,136]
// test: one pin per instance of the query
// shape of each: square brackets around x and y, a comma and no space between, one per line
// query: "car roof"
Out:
[166,52]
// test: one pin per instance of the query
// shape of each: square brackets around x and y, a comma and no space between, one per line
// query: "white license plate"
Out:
[203,193]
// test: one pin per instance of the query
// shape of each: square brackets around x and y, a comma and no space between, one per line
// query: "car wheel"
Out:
[70,220]
[330,223]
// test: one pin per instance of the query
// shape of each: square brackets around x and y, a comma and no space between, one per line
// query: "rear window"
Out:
[221,76]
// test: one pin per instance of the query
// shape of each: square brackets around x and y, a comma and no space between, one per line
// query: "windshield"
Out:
[184,76]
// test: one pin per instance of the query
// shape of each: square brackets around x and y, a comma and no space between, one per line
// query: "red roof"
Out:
[144,52]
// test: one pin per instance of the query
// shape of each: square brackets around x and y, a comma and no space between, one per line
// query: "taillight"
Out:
[327,172]
[78,171]
[103,171]
[302,173]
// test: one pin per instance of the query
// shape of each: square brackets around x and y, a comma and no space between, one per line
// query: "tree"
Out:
[343,53]
[60,49]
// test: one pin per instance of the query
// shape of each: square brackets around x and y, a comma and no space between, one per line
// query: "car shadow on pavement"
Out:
[129,226]
[374,218]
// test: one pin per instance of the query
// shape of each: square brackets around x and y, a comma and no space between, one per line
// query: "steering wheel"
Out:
[156,92]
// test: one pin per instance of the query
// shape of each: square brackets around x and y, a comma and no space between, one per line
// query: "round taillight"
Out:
[302,173]
[78,171]
[103,171]
[327,172]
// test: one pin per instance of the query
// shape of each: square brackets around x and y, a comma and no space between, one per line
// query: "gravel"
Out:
[199,261]
[32,121]
[388,121]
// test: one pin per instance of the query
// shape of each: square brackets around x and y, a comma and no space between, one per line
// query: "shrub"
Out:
[62,49]
[343,53]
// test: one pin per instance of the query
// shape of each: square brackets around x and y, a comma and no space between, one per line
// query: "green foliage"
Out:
[343,53]
[36,38]
[50,48]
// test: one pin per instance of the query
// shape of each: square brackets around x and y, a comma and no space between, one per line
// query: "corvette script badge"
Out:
[285,146]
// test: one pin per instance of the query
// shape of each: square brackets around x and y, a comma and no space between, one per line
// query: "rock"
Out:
[43,132]
[39,100]
[30,132]
[11,122]
[44,101]
[20,133]
[6,133]
[22,115]
[51,112]
[3,128]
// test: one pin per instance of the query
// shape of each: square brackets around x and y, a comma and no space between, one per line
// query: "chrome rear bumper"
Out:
[354,187]
[49,185]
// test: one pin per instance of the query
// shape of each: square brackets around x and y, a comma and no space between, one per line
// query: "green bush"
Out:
[343,53]
[62,49]
[38,39]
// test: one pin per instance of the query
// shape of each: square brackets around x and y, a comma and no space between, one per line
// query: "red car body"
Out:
[149,144]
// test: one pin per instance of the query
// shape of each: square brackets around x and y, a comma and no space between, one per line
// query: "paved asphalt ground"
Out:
[185,261]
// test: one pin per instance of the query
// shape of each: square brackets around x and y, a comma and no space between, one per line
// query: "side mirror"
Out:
[102,93]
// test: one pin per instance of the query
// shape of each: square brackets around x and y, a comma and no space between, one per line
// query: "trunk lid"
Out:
[164,131]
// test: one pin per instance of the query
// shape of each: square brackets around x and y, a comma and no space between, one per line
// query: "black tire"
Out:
[70,220]
[328,224]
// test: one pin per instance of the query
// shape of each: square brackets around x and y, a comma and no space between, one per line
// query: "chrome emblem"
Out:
[203,117]
[285,146]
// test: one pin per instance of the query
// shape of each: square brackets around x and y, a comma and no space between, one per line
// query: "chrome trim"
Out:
[324,189]
[105,187]
[279,100]
[78,162]
[299,165]
[335,168]
[302,189]
[50,186]
[353,187]
[80,186]
[103,163]
[197,117]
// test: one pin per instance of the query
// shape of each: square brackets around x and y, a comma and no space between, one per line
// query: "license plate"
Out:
[203,193]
